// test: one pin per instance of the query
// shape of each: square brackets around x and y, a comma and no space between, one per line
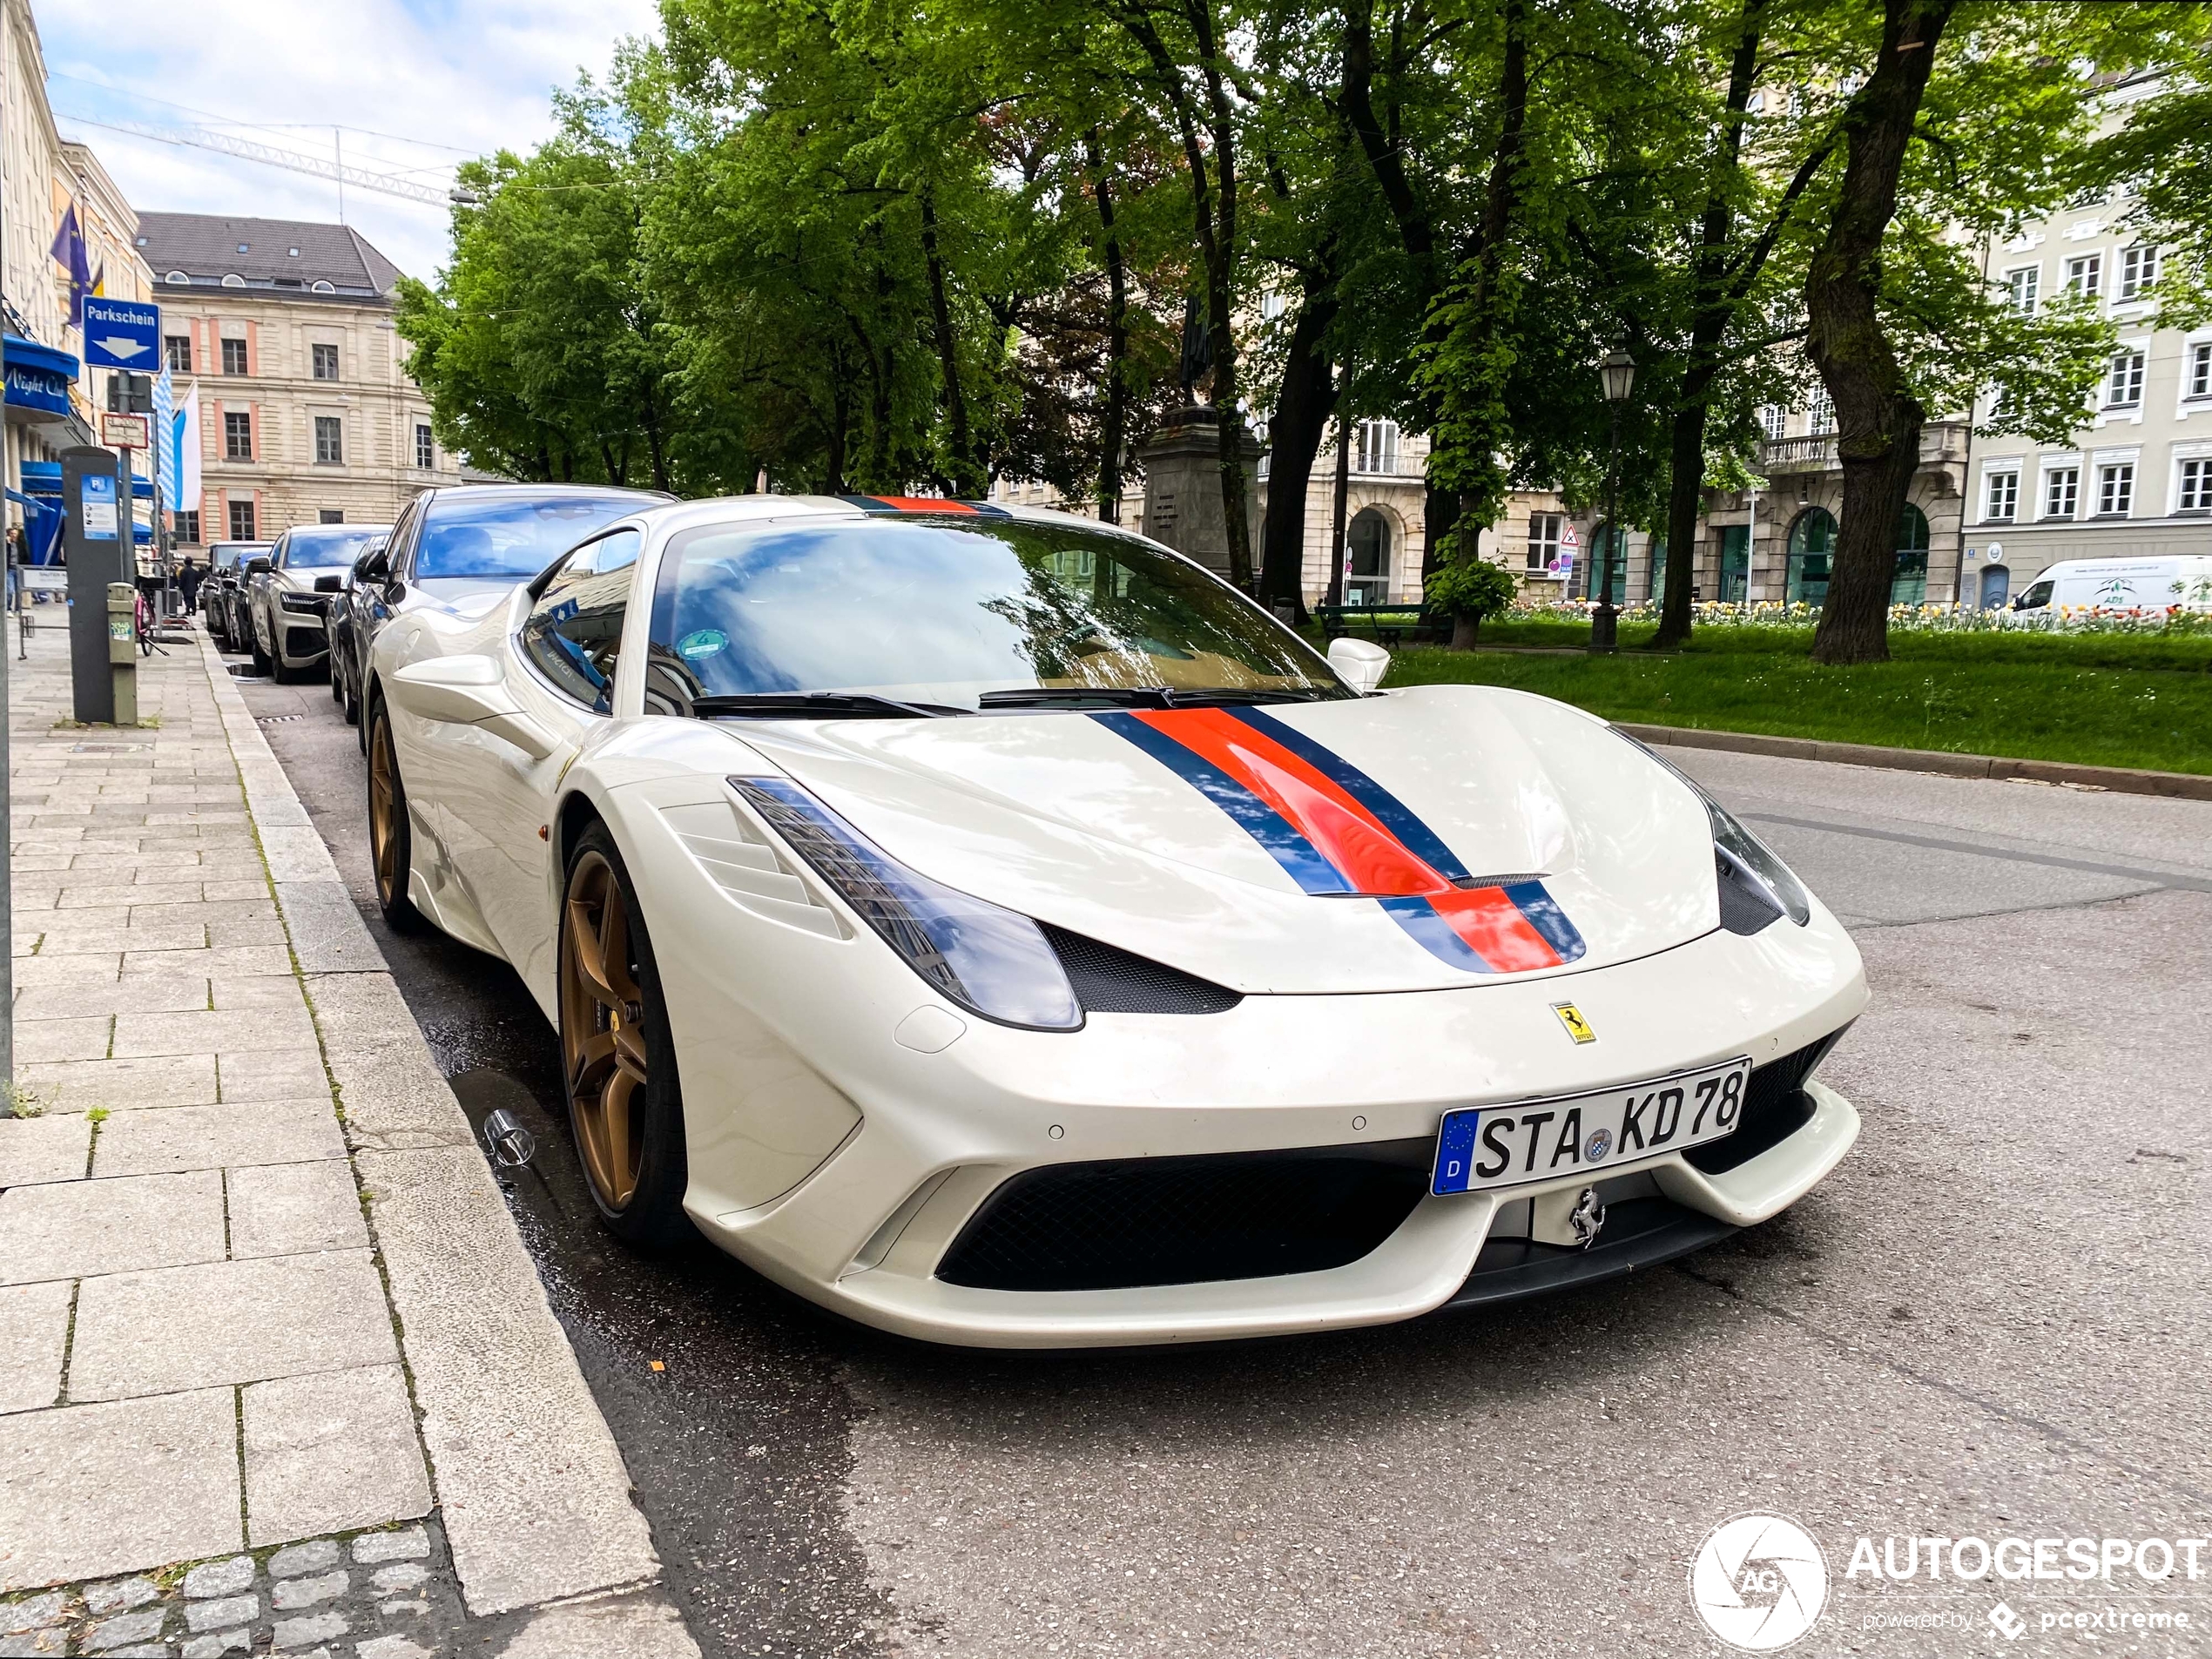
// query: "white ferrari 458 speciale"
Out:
[992,926]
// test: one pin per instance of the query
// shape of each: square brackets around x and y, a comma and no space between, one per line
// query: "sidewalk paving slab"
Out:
[330,1452]
[90,1490]
[34,1330]
[175,1328]
[34,1150]
[216,1137]
[71,1229]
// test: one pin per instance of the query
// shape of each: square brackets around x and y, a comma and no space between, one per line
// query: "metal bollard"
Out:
[123,650]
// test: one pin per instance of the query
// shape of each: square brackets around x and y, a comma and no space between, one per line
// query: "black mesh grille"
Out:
[1186,1221]
[1776,1107]
[1110,980]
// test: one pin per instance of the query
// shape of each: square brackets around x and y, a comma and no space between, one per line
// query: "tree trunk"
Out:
[1342,493]
[1709,328]
[1294,434]
[1440,519]
[962,472]
[1878,419]
[1113,427]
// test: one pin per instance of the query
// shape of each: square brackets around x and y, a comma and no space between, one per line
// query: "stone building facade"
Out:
[282,333]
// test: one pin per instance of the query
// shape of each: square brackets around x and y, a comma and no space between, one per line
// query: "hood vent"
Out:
[1107,980]
[740,861]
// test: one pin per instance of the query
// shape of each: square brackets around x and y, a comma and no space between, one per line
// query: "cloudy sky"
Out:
[420,83]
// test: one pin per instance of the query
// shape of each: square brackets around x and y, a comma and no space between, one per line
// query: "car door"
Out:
[374,603]
[260,596]
[560,667]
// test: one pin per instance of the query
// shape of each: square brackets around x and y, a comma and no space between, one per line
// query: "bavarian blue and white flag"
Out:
[164,435]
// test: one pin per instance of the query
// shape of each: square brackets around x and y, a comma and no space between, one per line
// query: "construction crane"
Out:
[269,155]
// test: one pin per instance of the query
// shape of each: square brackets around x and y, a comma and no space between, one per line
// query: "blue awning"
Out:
[142,488]
[31,355]
[41,526]
[42,477]
[38,376]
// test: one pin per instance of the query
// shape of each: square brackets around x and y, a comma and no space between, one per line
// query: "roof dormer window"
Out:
[322,286]
[231,280]
[176,277]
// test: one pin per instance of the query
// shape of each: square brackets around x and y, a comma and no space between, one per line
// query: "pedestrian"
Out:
[188,583]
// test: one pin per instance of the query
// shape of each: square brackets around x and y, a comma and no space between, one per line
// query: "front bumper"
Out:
[932,1136]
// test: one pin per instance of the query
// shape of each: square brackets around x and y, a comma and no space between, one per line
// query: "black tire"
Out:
[263,663]
[348,698]
[391,838]
[651,1215]
[216,628]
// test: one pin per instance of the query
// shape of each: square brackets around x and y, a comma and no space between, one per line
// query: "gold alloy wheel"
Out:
[383,839]
[603,1036]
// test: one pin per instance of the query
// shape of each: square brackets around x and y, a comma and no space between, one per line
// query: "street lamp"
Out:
[1617,372]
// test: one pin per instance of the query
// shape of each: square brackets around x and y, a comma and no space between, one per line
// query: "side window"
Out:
[574,631]
[277,553]
[401,546]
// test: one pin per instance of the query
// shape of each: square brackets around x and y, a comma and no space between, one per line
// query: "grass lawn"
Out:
[2098,699]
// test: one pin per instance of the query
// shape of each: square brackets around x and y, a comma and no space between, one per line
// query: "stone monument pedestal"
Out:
[1183,509]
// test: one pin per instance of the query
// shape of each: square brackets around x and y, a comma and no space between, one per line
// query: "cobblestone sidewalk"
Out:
[251,1269]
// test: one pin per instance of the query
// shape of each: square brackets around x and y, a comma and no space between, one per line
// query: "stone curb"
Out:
[532,1490]
[2183,786]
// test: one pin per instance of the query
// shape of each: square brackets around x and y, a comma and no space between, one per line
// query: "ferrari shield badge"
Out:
[1577,1026]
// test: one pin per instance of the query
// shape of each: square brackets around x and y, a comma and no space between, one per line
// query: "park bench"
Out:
[1388,625]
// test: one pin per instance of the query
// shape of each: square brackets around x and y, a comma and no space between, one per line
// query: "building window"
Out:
[2062,491]
[2116,489]
[233,357]
[238,437]
[326,362]
[331,515]
[1820,414]
[1774,421]
[426,454]
[2200,377]
[2193,491]
[1543,539]
[330,448]
[2124,389]
[2021,286]
[2138,270]
[1378,450]
[177,352]
[2085,275]
[2000,496]
[242,521]
[188,523]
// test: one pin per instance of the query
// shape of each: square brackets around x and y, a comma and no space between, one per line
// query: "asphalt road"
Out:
[1991,1321]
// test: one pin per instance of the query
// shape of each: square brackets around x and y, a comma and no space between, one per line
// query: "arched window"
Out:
[233,280]
[322,286]
[176,277]
[1367,582]
[1812,546]
[1910,585]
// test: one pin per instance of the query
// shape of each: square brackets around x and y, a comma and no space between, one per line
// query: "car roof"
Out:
[683,515]
[542,492]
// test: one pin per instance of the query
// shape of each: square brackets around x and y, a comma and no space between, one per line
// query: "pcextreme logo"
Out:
[1758,1582]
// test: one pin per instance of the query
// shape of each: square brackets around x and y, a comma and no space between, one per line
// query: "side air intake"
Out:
[1107,980]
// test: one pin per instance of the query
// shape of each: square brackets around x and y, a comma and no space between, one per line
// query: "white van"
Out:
[2113,585]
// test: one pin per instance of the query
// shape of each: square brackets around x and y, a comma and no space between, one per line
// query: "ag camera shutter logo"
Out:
[1758,1582]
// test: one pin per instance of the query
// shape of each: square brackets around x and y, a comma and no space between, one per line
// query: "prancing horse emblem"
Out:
[1587,1216]
[1577,1026]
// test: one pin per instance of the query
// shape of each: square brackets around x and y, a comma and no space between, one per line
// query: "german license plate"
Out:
[1478,1147]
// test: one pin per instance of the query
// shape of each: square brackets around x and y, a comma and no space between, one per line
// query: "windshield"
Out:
[329,549]
[503,534]
[930,612]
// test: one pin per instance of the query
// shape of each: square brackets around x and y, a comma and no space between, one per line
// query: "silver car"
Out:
[289,591]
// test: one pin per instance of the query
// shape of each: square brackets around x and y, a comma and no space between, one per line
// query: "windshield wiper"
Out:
[1138,696]
[784,705]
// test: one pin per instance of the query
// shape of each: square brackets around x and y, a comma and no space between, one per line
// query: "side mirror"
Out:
[258,565]
[1360,663]
[372,566]
[467,691]
[330,585]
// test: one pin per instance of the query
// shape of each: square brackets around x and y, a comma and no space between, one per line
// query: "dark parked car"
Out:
[345,673]
[220,590]
[467,548]
[289,591]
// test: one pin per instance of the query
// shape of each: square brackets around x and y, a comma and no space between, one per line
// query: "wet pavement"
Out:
[1989,1321]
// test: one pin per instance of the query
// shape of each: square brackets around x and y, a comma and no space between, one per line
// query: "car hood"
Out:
[1438,837]
[469,597]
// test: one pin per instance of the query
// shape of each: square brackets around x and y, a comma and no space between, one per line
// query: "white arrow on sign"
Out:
[122,345]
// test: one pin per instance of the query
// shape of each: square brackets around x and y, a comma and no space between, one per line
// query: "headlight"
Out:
[1756,888]
[301,602]
[991,960]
